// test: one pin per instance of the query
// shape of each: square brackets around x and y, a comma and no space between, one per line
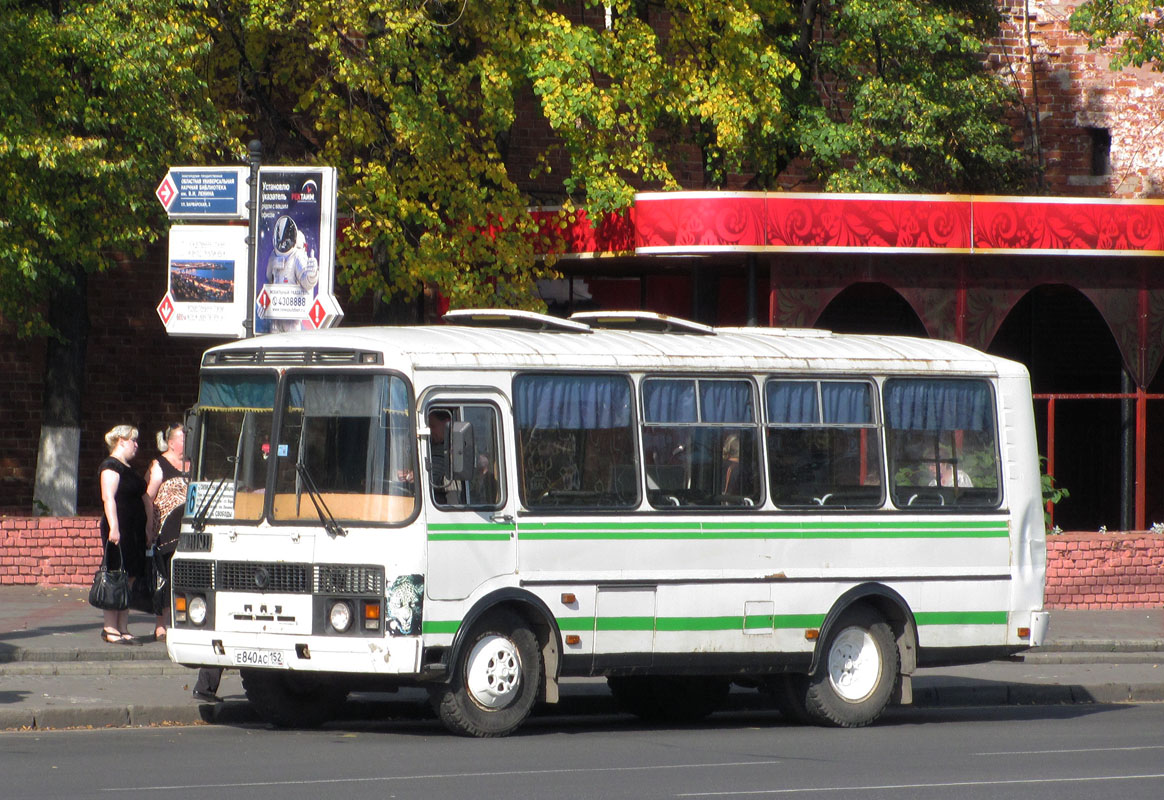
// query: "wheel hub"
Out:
[493,672]
[854,664]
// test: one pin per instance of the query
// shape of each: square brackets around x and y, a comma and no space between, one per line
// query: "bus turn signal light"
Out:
[812,634]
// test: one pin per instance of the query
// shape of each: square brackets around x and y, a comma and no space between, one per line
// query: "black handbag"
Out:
[110,589]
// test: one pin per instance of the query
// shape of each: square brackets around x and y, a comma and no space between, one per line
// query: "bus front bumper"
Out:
[386,656]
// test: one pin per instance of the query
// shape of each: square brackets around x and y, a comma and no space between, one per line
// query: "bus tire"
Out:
[291,700]
[858,669]
[495,680]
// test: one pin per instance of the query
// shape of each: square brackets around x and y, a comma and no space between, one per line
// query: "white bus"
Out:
[486,507]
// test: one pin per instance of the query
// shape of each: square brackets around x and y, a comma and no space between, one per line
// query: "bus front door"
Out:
[471,532]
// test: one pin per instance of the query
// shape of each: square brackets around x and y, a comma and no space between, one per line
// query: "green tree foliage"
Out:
[905,104]
[448,120]
[98,98]
[1135,26]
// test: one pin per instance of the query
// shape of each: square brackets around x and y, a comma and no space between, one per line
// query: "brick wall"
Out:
[1084,570]
[1093,570]
[61,551]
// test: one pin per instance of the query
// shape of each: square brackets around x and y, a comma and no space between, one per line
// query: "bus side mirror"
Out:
[461,451]
[193,429]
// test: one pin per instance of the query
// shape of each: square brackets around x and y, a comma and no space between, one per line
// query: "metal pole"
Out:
[750,293]
[1128,434]
[255,158]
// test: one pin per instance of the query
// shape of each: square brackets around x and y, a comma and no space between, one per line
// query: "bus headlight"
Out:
[196,608]
[340,616]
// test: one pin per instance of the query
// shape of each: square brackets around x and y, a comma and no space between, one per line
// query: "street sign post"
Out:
[204,192]
[295,265]
[206,290]
[227,281]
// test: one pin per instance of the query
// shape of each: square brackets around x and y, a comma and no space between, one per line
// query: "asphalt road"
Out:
[1027,752]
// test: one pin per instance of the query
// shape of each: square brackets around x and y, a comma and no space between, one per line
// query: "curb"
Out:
[241,712]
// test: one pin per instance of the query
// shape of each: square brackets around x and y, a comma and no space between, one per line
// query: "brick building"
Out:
[1096,134]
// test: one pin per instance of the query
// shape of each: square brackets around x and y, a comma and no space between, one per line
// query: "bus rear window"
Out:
[943,444]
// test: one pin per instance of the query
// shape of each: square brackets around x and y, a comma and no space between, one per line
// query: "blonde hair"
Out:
[119,432]
[164,437]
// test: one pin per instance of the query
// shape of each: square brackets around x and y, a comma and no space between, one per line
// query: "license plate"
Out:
[259,658]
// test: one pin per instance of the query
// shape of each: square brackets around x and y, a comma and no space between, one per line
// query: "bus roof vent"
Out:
[512,318]
[290,357]
[641,321]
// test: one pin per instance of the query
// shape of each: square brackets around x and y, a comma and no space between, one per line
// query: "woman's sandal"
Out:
[112,637]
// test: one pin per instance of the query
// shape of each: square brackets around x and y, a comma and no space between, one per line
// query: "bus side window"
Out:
[823,445]
[700,443]
[576,445]
[481,486]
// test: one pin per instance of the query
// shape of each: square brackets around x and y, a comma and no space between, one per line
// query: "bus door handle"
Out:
[506,518]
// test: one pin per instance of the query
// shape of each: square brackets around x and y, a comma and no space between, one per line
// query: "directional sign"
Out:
[204,192]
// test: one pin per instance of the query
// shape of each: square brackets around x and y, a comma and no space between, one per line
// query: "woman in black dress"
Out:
[168,478]
[126,516]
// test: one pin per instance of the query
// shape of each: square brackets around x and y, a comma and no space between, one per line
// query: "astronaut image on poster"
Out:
[294,253]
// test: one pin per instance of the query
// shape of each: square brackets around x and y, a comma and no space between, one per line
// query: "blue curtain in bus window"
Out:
[938,405]
[846,403]
[669,401]
[792,402]
[571,402]
[238,391]
[726,401]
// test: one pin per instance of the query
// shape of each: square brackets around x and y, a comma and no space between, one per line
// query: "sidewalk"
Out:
[56,673]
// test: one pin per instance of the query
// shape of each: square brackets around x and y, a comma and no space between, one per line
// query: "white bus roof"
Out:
[477,346]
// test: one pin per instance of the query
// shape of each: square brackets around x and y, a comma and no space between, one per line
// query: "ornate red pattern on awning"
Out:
[692,223]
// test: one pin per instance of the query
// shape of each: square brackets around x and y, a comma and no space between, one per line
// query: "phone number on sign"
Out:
[259,658]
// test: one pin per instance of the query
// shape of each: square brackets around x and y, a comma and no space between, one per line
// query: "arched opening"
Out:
[871,308]
[1069,349]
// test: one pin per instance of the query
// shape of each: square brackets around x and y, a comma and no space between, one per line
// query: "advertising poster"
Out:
[207,281]
[295,264]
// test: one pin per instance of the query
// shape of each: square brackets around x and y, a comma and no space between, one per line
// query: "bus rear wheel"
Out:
[495,680]
[855,679]
[291,700]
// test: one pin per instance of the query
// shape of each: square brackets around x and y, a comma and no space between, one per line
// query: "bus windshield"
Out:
[348,437]
[229,469]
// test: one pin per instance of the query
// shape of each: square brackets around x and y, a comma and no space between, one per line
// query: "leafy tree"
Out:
[1137,26]
[426,109]
[107,94]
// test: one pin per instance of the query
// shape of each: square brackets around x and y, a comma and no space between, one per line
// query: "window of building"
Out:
[1100,151]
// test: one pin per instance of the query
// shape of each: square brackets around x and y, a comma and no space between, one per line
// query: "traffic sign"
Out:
[204,192]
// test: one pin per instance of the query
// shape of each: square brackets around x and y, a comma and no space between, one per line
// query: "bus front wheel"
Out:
[855,679]
[495,680]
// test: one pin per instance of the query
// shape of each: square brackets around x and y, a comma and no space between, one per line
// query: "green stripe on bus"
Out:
[973,529]
[960,617]
[470,532]
[731,623]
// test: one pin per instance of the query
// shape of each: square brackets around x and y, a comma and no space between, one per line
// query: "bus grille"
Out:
[249,576]
[192,574]
[349,579]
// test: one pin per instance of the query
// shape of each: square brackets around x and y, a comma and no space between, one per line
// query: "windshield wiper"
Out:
[329,522]
[207,503]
